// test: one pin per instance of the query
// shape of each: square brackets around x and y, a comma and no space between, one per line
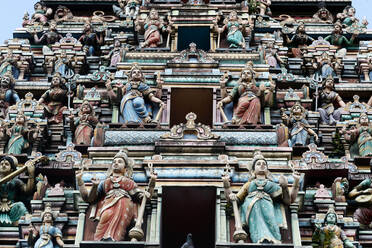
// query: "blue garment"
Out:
[47,234]
[11,97]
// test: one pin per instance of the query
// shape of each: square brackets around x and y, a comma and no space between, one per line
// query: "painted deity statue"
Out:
[49,37]
[233,24]
[323,15]
[361,136]
[64,65]
[260,7]
[117,54]
[42,13]
[362,194]
[326,66]
[133,107]
[11,210]
[48,236]
[127,8]
[269,55]
[260,202]
[91,40]
[348,18]
[299,40]
[330,235]
[153,25]
[246,98]
[84,124]
[55,98]
[10,64]
[339,40]
[329,99]
[20,135]
[8,96]
[115,197]
[299,126]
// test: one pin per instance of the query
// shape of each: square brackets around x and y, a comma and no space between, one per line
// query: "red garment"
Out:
[248,110]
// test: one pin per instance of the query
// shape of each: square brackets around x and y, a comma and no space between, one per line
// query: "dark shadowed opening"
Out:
[198,101]
[188,210]
[198,35]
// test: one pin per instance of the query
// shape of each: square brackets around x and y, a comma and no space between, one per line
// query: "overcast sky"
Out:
[12,11]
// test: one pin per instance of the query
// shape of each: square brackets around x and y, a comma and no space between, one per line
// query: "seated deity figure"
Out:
[133,106]
[116,198]
[299,126]
[10,64]
[55,99]
[234,26]
[91,40]
[299,40]
[19,134]
[127,8]
[117,53]
[48,236]
[339,40]
[12,210]
[42,13]
[361,136]
[8,96]
[330,235]
[329,99]
[260,202]
[49,37]
[246,98]
[362,194]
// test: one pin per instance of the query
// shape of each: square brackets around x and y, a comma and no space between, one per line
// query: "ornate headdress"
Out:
[48,210]
[12,160]
[129,163]
[135,66]
[331,210]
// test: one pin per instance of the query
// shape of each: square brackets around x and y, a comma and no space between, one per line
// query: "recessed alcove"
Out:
[199,35]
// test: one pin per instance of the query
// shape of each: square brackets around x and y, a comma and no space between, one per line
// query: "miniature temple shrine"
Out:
[186,123]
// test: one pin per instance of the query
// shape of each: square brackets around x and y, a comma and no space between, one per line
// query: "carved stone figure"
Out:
[247,105]
[135,93]
[116,197]
[11,210]
[299,40]
[348,17]
[48,38]
[10,63]
[361,136]
[55,98]
[84,124]
[323,15]
[329,99]
[8,96]
[117,54]
[260,200]
[64,65]
[339,40]
[91,40]
[42,13]
[262,6]
[299,126]
[270,55]
[48,236]
[362,194]
[20,135]
[330,235]
[126,8]
[326,66]
[234,26]
[154,26]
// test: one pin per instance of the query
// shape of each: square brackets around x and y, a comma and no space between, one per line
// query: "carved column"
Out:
[296,235]
[83,206]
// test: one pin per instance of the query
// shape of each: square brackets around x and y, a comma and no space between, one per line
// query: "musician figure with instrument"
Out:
[12,210]
[362,194]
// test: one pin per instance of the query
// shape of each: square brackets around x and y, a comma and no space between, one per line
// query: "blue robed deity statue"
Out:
[261,202]
[136,103]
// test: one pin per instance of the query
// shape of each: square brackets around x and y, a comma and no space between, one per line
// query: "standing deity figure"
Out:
[299,40]
[330,235]
[12,210]
[328,100]
[264,7]
[348,18]
[361,136]
[326,66]
[49,37]
[234,26]
[339,40]
[55,98]
[115,197]
[42,13]
[246,98]
[91,40]
[10,64]
[133,107]
[117,54]
[64,65]
[362,194]
[84,124]
[48,236]
[20,135]
[8,96]
[154,26]
[299,126]
[260,202]
[127,8]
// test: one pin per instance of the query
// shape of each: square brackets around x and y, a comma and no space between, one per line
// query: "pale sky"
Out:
[12,11]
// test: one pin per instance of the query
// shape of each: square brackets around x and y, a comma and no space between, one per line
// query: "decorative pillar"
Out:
[83,206]
[296,235]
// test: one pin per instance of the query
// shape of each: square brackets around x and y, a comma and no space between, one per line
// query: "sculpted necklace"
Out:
[116,182]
